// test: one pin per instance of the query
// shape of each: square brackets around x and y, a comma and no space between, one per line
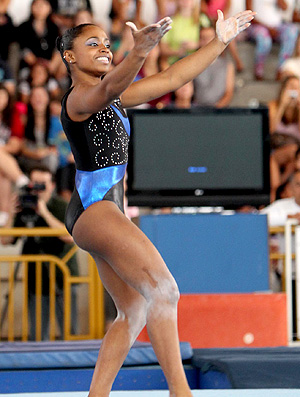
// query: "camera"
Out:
[28,200]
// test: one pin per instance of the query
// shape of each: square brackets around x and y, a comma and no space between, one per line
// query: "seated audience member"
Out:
[9,146]
[183,38]
[267,27]
[214,86]
[284,110]
[36,149]
[65,174]
[291,67]
[64,11]
[288,208]
[9,171]
[284,116]
[37,36]
[39,76]
[49,212]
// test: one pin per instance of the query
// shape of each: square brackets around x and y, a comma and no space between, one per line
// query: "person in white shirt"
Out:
[280,210]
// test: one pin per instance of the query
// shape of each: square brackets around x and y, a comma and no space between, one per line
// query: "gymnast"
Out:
[94,120]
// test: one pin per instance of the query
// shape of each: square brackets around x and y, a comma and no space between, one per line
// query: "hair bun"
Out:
[59,43]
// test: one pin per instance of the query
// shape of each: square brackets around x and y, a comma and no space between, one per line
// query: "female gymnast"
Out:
[96,125]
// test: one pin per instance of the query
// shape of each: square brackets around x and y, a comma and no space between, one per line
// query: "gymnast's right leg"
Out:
[143,290]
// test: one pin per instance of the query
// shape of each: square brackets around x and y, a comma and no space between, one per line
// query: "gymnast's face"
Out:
[91,52]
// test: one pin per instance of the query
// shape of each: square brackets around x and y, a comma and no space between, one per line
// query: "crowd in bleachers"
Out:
[33,78]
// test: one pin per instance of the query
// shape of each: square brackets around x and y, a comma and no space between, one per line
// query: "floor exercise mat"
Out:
[249,368]
[65,354]
[158,393]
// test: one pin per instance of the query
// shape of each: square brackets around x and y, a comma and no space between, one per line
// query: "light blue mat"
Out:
[196,393]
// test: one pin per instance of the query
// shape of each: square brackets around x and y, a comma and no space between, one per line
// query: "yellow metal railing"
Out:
[280,256]
[95,304]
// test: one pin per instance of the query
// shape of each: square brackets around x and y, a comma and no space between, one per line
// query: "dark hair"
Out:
[297,153]
[66,41]
[41,168]
[31,17]
[30,125]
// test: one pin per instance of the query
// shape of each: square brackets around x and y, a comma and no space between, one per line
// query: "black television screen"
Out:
[198,157]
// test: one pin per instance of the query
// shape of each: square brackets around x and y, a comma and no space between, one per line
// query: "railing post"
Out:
[297,279]
[289,276]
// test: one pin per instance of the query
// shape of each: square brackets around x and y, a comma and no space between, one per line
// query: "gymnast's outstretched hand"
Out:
[229,28]
[147,38]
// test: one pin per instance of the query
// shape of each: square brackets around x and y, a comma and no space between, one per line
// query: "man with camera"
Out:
[38,206]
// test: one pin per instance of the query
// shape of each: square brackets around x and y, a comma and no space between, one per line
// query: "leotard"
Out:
[100,148]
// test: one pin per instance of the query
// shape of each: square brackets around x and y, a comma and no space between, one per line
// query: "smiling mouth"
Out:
[103,60]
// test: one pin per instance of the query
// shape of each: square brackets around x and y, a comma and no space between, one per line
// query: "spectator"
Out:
[36,149]
[268,27]
[37,36]
[284,116]
[64,11]
[287,208]
[9,145]
[291,67]
[214,86]
[39,76]
[284,111]
[183,38]
[65,175]
[49,211]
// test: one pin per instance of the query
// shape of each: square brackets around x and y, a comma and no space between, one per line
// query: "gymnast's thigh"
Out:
[104,231]
[123,295]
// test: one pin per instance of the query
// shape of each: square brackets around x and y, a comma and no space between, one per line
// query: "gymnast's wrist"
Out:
[139,53]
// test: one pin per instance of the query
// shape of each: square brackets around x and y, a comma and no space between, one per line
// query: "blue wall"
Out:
[213,253]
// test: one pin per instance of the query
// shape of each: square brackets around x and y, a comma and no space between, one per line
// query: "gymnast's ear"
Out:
[69,57]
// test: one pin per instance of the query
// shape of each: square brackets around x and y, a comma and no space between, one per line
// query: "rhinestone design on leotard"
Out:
[111,137]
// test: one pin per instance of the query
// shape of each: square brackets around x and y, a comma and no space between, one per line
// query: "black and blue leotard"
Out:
[100,148]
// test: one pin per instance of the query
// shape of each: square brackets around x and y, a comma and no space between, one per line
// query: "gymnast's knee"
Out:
[165,293]
[135,316]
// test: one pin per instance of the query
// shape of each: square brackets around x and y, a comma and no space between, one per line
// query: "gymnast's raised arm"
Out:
[189,67]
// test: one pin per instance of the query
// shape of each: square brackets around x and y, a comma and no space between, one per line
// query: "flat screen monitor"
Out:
[199,157]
